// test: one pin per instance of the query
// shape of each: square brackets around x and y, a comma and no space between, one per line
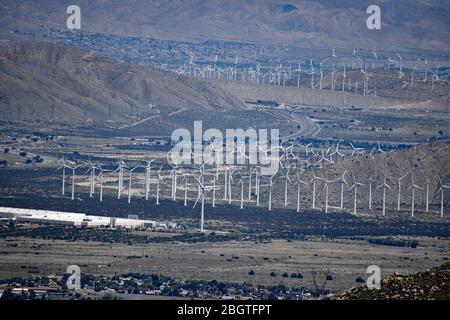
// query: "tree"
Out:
[359,280]
[32,295]
[107,296]
[11,225]
[8,295]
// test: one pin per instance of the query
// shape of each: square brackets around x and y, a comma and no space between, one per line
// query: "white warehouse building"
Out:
[75,219]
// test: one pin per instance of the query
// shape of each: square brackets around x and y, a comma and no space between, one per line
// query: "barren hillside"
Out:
[324,23]
[53,83]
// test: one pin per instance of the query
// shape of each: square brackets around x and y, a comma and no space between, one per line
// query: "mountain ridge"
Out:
[52,82]
[405,24]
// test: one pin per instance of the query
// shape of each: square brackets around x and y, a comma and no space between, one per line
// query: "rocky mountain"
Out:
[53,83]
[426,161]
[412,24]
[45,85]
[430,284]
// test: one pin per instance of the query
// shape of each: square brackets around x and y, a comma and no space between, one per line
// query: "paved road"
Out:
[308,128]
[150,118]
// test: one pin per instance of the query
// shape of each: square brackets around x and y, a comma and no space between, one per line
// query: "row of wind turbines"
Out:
[245,185]
[331,73]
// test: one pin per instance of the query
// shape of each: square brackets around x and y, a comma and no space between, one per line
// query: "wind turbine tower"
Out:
[441,190]
[413,188]
[385,185]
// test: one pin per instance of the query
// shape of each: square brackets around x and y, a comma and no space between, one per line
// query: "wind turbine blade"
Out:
[198,198]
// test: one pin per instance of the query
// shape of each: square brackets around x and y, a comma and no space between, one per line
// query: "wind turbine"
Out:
[374,58]
[250,184]
[91,169]
[312,73]
[384,185]
[323,159]
[400,72]
[427,183]
[355,187]
[325,188]
[342,189]
[235,67]
[230,180]
[241,182]
[101,176]
[320,79]
[358,151]
[270,185]
[158,178]
[148,170]
[129,183]
[332,79]
[379,148]
[353,58]
[434,77]
[390,61]
[73,180]
[257,185]
[307,149]
[441,190]
[333,57]
[298,183]
[299,70]
[270,192]
[365,79]
[333,53]
[240,152]
[215,176]
[344,76]
[201,195]
[286,186]
[426,70]
[174,183]
[225,180]
[121,168]
[63,166]
[412,75]
[186,189]
[313,180]
[337,152]
[370,180]
[413,188]
[399,190]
